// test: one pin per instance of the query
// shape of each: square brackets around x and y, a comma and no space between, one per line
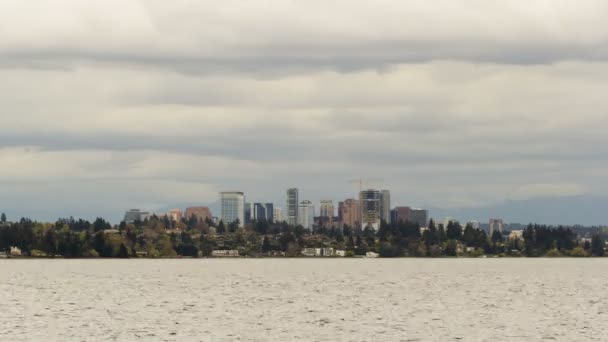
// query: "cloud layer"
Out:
[118,104]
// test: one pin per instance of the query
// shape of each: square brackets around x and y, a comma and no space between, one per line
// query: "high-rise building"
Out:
[326,212]
[474,223]
[370,209]
[306,214]
[385,205]
[349,213]
[262,211]
[175,215]
[232,207]
[419,216]
[401,214]
[134,215]
[278,215]
[200,213]
[496,225]
[292,206]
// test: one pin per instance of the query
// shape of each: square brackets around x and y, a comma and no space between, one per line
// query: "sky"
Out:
[117,104]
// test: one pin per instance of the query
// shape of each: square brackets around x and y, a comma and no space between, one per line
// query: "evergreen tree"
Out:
[266,247]
[597,245]
[350,245]
[221,229]
[454,231]
[450,248]
[50,239]
[587,245]
[3,218]
[206,246]
[99,242]
[123,252]
[441,234]
[496,236]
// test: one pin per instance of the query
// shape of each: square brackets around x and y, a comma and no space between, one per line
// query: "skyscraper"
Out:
[232,207]
[385,206]
[306,214]
[292,206]
[419,216]
[370,208]
[326,212]
[401,214]
[349,213]
[262,212]
[278,215]
[496,225]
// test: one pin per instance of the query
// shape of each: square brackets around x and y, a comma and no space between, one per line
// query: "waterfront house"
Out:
[225,253]
[309,252]
[15,251]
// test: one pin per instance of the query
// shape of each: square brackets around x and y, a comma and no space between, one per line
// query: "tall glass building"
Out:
[385,205]
[292,206]
[306,214]
[232,207]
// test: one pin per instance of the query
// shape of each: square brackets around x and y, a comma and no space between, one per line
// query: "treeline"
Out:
[162,237]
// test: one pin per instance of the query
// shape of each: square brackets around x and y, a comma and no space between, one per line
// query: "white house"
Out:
[225,253]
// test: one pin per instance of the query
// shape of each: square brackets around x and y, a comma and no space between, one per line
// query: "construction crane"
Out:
[361,180]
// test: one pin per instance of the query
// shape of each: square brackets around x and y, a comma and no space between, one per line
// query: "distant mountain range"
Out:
[575,210]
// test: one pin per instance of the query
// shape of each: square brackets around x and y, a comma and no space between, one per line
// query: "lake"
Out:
[304,300]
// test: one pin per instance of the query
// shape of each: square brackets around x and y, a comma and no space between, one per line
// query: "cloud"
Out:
[272,37]
[454,103]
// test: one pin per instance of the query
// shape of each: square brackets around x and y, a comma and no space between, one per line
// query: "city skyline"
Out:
[272,170]
[347,212]
[150,111]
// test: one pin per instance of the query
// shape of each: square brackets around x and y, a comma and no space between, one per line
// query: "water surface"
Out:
[304,300]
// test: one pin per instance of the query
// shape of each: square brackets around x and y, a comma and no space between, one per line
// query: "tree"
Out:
[99,242]
[441,234]
[496,236]
[206,246]
[597,245]
[266,247]
[3,218]
[123,252]
[587,245]
[451,248]
[454,231]
[100,224]
[221,229]
[293,250]
[50,242]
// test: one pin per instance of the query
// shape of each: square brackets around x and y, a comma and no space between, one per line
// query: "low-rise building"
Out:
[309,252]
[516,235]
[134,215]
[276,253]
[371,255]
[200,213]
[340,253]
[225,253]
[15,251]
[318,252]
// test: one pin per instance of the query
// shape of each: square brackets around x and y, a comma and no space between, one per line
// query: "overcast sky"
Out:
[117,104]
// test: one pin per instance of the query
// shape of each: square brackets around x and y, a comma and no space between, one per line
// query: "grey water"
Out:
[304,300]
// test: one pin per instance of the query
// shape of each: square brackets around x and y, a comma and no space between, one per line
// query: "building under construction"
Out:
[370,202]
